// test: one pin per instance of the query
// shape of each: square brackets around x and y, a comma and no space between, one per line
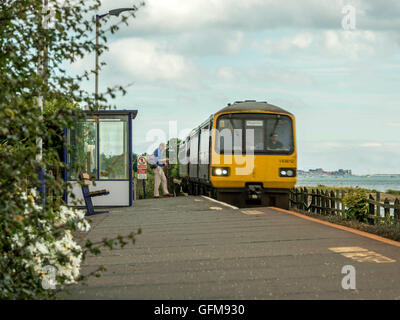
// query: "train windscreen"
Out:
[256,133]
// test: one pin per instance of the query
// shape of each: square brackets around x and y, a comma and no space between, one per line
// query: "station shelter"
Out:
[101,145]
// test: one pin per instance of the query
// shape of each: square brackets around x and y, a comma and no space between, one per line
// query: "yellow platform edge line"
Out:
[337,226]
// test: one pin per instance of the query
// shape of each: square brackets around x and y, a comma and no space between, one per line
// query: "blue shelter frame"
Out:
[106,161]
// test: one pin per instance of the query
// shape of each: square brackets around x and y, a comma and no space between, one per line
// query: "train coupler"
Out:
[254,192]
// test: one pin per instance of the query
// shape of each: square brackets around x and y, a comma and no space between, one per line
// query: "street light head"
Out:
[116,12]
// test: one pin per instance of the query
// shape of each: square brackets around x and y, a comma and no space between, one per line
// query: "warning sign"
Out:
[142,168]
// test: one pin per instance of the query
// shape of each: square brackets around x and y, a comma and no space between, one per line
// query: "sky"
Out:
[334,64]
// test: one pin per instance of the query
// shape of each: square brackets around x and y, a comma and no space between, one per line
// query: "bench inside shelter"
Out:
[87,195]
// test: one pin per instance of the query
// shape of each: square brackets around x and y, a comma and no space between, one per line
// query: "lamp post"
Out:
[114,12]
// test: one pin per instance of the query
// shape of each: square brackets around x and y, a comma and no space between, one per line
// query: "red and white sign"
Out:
[142,167]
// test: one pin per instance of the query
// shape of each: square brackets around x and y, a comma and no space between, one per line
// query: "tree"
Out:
[32,60]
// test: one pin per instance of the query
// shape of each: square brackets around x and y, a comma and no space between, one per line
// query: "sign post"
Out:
[142,172]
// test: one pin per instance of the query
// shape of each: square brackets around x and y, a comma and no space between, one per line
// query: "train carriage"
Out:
[245,154]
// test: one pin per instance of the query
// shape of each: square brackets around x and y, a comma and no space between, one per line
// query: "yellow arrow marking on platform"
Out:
[361,254]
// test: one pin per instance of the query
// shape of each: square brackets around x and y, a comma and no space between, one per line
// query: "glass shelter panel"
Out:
[113,148]
[83,154]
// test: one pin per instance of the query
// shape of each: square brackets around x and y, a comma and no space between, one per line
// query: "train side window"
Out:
[204,145]
[183,157]
[193,156]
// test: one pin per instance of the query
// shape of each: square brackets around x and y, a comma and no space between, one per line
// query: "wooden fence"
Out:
[331,203]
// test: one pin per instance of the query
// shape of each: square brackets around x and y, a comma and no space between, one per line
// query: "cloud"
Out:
[358,44]
[371,145]
[226,74]
[172,16]
[331,44]
[379,15]
[198,43]
[147,61]
[177,16]
[392,124]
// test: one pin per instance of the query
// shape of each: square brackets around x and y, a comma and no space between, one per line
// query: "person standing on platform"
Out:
[159,176]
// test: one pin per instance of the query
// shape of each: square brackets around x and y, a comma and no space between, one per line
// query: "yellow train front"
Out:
[245,154]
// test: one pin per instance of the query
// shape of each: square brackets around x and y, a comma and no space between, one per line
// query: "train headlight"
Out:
[287,172]
[222,172]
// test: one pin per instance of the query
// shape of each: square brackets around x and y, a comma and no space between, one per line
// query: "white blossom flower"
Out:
[45,251]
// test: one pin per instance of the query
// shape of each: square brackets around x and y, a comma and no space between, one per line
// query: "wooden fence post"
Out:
[343,209]
[327,204]
[318,202]
[315,199]
[337,202]
[305,199]
[333,209]
[323,202]
[371,208]
[378,207]
[301,198]
[294,198]
[386,209]
[312,201]
[397,209]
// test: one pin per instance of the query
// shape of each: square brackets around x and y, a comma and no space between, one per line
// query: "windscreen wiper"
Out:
[276,125]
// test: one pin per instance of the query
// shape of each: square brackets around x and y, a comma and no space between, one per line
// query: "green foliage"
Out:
[25,44]
[394,192]
[172,153]
[356,202]
[149,185]
[114,167]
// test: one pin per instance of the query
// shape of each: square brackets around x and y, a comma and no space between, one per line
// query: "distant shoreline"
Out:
[380,183]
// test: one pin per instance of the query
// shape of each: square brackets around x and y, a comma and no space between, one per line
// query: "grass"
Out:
[340,188]
[384,230]
[393,192]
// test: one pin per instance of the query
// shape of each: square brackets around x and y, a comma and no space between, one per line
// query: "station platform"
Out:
[195,248]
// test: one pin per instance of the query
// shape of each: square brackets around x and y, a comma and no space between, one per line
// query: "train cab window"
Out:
[255,132]
[279,134]
[229,135]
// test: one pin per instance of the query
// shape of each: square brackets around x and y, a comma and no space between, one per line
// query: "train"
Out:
[244,154]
